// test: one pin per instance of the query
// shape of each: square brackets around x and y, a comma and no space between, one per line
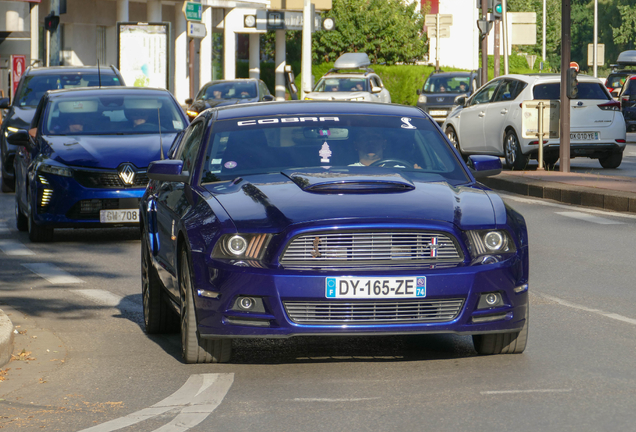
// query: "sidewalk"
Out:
[589,190]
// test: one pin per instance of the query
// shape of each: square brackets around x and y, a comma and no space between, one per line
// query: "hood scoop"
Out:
[354,181]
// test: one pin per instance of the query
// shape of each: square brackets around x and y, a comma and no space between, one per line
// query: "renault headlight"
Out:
[490,243]
[55,170]
[241,246]
[421,99]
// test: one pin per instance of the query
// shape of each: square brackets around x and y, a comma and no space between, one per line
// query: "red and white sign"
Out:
[18,66]
[574,65]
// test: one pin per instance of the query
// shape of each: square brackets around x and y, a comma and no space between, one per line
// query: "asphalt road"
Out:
[86,362]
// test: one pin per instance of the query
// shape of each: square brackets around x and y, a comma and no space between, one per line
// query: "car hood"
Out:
[107,151]
[21,117]
[272,202]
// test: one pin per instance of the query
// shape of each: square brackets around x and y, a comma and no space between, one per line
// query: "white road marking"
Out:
[498,392]
[589,218]
[333,400]
[107,298]
[563,206]
[195,401]
[52,273]
[13,247]
[3,228]
[566,303]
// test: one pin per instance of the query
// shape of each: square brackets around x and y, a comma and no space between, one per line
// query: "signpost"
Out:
[193,11]
[196,30]
[438,26]
[18,66]
[600,54]
[537,116]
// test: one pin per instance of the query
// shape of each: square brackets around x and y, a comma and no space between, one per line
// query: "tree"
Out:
[389,31]
[625,34]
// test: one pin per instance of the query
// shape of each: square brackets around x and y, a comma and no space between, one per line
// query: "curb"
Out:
[570,194]
[6,338]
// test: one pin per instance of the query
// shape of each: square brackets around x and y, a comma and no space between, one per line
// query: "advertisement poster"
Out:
[143,54]
[18,66]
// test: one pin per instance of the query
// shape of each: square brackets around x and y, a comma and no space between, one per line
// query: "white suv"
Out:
[489,122]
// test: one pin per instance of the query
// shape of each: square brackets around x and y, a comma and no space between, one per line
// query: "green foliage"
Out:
[626,32]
[389,31]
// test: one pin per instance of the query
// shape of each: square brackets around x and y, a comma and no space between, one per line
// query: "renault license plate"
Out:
[438,112]
[584,136]
[364,288]
[119,216]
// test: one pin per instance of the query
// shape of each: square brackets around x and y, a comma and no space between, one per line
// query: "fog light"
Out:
[208,294]
[521,288]
[246,303]
[489,259]
[490,300]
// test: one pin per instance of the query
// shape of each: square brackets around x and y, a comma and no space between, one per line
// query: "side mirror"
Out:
[268,98]
[483,166]
[188,101]
[460,100]
[168,170]
[5,103]
[375,89]
[615,92]
[418,92]
[20,139]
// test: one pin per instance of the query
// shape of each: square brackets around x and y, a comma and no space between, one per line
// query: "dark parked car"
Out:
[627,99]
[33,84]
[83,163]
[228,92]
[625,67]
[440,90]
[328,218]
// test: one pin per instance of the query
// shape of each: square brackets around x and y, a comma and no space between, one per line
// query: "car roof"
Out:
[57,70]
[237,80]
[309,108]
[112,91]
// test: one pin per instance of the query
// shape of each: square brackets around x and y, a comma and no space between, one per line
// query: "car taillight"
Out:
[610,106]
[610,89]
[620,141]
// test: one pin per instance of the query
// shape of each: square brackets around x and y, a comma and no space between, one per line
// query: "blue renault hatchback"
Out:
[83,162]
[328,218]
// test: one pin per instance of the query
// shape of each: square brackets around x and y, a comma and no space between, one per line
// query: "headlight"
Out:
[308,98]
[241,246]
[12,129]
[421,99]
[490,242]
[358,98]
[192,113]
[55,170]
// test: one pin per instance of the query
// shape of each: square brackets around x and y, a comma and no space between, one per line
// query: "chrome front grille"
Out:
[361,249]
[363,312]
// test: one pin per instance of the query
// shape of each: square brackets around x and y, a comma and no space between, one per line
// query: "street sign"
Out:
[193,11]
[530,118]
[284,20]
[444,20]
[196,30]
[18,66]
[484,27]
[444,32]
[574,65]
[600,54]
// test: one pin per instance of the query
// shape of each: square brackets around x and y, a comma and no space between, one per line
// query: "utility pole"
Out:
[595,54]
[484,45]
[305,63]
[504,23]
[496,60]
[543,35]
[564,147]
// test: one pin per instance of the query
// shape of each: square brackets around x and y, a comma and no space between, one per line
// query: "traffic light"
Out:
[572,84]
[497,9]
[51,21]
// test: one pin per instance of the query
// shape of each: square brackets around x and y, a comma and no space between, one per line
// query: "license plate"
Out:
[584,136]
[438,113]
[362,287]
[119,216]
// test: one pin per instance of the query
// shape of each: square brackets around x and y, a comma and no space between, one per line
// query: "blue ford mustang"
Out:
[328,218]
[83,162]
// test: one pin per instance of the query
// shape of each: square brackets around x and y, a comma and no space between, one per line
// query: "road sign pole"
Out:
[504,23]
[564,147]
[540,157]
[305,65]
[484,45]
[437,42]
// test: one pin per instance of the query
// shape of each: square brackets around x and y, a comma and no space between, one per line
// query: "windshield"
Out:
[346,142]
[447,84]
[587,90]
[228,90]
[341,84]
[107,115]
[34,86]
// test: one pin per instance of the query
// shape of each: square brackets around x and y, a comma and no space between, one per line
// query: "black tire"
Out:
[515,160]
[21,221]
[451,134]
[612,160]
[37,233]
[503,343]
[193,348]
[158,316]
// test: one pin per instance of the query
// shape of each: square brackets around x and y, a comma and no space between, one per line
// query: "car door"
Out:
[472,119]
[171,201]
[498,114]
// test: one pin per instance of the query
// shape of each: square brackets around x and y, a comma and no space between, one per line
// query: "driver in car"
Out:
[370,148]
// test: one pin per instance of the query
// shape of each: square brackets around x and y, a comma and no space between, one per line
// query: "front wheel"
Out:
[515,159]
[193,348]
[452,137]
[21,221]
[503,343]
[612,159]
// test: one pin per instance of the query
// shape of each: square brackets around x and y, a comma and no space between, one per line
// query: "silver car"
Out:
[351,79]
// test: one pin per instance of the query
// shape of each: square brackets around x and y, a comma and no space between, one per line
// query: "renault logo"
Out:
[127,174]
